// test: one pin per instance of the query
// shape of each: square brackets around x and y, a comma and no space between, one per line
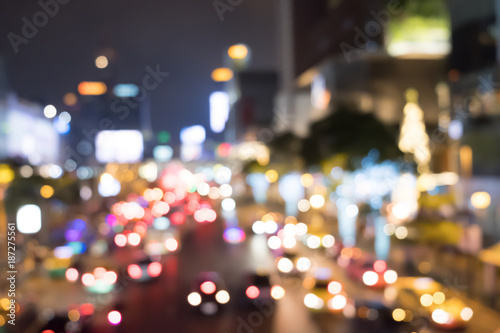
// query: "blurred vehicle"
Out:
[208,293]
[258,287]
[144,270]
[324,294]
[439,305]
[373,314]
[373,273]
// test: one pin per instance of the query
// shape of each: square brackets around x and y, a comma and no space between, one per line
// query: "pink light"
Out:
[379,266]
[154,269]
[114,317]
[252,292]
[134,271]
[86,309]
[177,218]
[72,274]
[208,287]
[120,240]
[88,279]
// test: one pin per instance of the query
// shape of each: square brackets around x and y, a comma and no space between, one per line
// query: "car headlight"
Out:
[466,314]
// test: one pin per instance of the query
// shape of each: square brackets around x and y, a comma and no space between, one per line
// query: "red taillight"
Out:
[252,292]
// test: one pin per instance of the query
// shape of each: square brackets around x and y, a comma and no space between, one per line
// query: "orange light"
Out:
[222,74]
[70,99]
[92,88]
[238,51]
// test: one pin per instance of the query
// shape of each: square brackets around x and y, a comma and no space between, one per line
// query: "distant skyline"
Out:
[185,38]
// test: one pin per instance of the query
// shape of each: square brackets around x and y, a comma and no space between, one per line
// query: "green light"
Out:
[163,137]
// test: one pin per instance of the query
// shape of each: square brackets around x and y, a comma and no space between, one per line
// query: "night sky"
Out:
[185,37]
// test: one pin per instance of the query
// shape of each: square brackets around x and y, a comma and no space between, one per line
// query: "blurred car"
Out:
[439,305]
[258,287]
[372,315]
[144,270]
[324,294]
[373,273]
[208,293]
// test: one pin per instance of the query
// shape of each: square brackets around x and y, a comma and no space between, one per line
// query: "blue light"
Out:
[126,90]
[161,223]
[234,235]
[61,126]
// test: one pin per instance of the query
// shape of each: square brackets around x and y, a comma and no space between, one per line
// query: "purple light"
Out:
[234,235]
[73,235]
[79,224]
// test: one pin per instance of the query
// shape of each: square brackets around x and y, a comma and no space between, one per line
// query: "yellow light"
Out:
[5,303]
[222,74]
[238,51]
[73,315]
[480,200]
[277,292]
[438,297]
[6,174]
[92,88]
[222,297]
[271,176]
[70,99]
[46,191]
[101,62]
[317,201]
[398,314]
[426,300]
[307,180]
[2,321]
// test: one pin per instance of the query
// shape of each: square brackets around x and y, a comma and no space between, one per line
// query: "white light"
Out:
[455,129]
[85,193]
[55,171]
[328,241]
[352,210]
[271,227]
[108,186]
[50,111]
[317,201]
[313,242]
[290,229]
[121,146]
[226,190]
[304,205]
[274,242]
[203,188]
[65,117]
[401,232]
[285,265]
[289,242]
[301,229]
[370,278]
[466,314]
[223,175]
[219,111]
[338,302]
[228,204]
[29,219]
[303,264]
[312,301]
[259,227]
[163,153]
[193,135]
[194,299]
[440,316]
[222,297]
[390,276]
